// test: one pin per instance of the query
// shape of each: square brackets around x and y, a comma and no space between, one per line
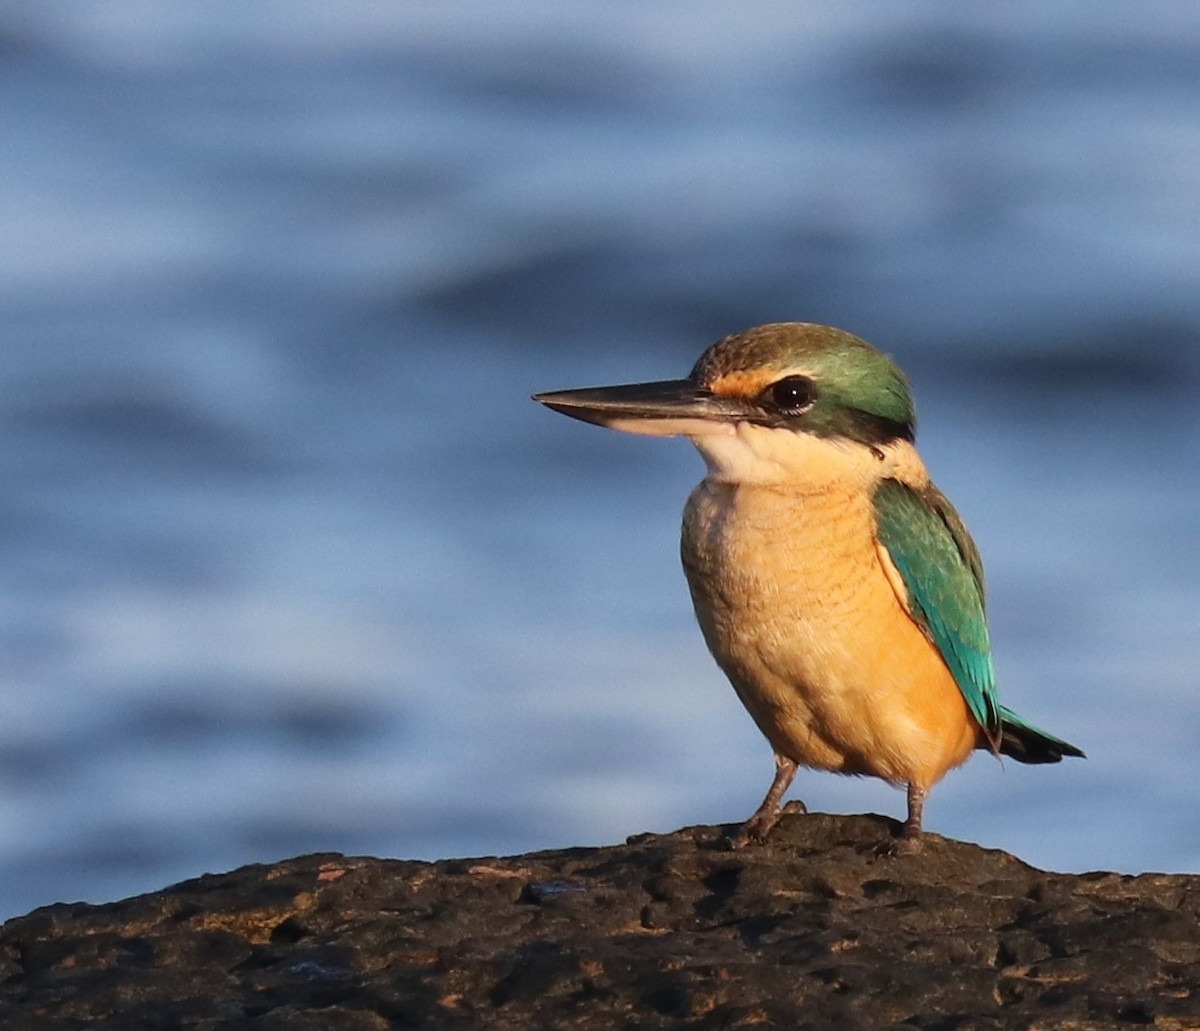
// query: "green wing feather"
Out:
[940,566]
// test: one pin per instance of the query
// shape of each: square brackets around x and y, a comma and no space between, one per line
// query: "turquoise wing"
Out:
[939,564]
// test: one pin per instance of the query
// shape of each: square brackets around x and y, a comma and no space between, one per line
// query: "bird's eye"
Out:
[791,394]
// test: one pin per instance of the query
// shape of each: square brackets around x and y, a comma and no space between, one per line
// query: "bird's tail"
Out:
[1028,744]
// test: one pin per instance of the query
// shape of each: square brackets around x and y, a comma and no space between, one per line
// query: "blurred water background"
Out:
[289,560]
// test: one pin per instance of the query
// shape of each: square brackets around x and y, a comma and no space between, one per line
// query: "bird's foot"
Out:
[904,845]
[909,842]
[758,828]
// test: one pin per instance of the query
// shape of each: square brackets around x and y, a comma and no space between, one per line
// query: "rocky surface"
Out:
[813,930]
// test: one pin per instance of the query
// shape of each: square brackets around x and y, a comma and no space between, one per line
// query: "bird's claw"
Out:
[758,828]
[907,844]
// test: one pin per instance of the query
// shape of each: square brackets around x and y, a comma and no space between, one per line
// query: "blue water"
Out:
[288,560]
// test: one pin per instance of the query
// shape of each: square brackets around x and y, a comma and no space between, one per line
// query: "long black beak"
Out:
[671,403]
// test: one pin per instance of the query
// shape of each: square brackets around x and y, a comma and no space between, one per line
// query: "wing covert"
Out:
[939,564]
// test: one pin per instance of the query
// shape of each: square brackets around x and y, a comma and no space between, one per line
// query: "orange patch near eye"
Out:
[744,383]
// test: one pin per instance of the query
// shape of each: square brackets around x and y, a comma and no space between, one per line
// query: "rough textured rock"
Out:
[814,930]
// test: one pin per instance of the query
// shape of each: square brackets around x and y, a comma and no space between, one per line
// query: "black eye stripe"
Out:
[792,394]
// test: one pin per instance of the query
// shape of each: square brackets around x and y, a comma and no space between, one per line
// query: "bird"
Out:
[834,584]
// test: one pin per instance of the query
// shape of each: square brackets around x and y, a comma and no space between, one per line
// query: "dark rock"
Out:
[813,930]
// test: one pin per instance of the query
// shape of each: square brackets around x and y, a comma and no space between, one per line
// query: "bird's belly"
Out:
[797,608]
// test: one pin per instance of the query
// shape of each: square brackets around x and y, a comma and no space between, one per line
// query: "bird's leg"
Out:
[909,840]
[916,808]
[760,825]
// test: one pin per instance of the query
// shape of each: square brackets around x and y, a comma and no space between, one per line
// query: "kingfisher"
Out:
[834,584]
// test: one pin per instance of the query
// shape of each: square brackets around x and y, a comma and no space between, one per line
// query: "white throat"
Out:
[795,460]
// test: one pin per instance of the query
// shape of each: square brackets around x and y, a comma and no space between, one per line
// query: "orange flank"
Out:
[798,607]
